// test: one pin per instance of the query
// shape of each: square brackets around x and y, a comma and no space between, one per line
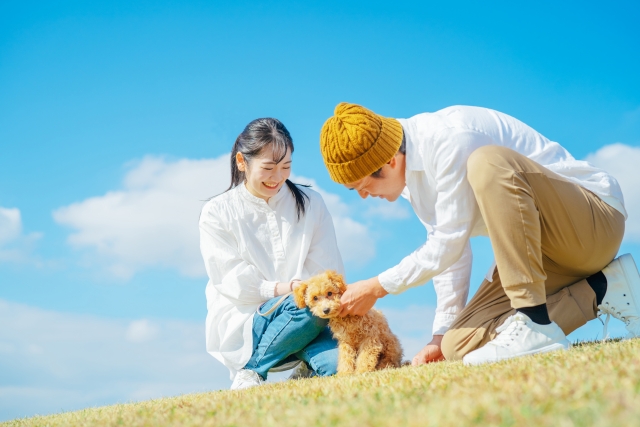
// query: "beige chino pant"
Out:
[548,234]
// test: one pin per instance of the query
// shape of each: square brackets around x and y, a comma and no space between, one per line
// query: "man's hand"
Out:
[361,296]
[430,352]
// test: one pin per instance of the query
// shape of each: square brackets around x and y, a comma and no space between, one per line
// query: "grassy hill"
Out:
[595,384]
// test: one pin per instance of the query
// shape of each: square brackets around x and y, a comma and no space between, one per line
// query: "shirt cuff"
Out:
[267,289]
[391,282]
[442,322]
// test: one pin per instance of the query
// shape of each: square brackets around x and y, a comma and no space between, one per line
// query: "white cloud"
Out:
[10,224]
[622,162]
[141,331]
[14,245]
[51,361]
[153,220]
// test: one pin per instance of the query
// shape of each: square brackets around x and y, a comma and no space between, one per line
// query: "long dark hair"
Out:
[257,135]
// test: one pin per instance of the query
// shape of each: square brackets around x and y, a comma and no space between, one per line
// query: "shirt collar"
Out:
[413,158]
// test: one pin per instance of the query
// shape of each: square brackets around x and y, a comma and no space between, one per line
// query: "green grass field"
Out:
[595,384]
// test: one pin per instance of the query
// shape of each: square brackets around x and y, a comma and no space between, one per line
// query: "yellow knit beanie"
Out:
[355,142]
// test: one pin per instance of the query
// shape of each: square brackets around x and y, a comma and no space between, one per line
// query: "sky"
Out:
[116,120]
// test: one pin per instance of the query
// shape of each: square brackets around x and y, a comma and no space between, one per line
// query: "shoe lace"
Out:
[609,311]
[509,330]
[605,324]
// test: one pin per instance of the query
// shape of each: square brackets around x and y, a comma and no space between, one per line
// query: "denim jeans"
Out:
[290,333]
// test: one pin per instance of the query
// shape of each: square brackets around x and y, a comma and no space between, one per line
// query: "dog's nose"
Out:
[326,310]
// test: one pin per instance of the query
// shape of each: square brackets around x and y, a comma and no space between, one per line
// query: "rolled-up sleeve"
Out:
[229,273]
[448,238]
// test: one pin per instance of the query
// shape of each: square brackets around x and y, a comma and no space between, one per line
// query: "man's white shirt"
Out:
[438,146]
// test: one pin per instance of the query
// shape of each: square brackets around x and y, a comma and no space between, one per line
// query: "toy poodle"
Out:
[365,343]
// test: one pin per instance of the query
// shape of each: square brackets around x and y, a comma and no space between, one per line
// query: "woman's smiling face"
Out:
[265,177]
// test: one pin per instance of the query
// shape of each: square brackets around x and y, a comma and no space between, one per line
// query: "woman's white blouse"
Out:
[249,245]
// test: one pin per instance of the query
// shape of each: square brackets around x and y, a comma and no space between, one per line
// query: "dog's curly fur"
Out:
[365,343]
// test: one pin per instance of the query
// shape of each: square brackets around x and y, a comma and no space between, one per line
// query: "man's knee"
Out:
[451,345]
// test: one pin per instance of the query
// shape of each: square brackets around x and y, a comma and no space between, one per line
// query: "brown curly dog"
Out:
[365,343]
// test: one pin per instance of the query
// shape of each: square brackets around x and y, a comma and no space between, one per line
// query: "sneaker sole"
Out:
[566,345]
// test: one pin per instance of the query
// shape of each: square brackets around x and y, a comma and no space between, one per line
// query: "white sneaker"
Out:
[622,299]
[246,378]
[519,336]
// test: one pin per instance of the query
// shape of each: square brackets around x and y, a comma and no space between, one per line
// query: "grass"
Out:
[594,384]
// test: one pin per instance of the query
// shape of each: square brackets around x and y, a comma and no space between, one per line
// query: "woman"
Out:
[258,240]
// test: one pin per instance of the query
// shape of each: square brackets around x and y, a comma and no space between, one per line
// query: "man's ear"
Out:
[299,294]
[337,279]
[393,162]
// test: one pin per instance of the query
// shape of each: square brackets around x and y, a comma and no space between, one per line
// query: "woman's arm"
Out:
[236,279]
[285,287]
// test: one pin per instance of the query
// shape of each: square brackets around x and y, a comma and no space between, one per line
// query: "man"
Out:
[555,225]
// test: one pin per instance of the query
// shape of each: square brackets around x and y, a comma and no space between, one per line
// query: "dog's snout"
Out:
[326,310]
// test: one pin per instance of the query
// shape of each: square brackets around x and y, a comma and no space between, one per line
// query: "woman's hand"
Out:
[430,352]
[361,296]
[286,287]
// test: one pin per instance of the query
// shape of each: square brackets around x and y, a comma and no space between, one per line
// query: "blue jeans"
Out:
[288,334]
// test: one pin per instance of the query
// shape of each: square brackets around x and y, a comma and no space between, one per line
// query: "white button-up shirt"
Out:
[249,245]
[438,146]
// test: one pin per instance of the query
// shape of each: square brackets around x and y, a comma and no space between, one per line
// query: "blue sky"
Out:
[110,109]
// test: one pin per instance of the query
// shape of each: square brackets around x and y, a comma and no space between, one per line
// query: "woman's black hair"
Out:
[253,139]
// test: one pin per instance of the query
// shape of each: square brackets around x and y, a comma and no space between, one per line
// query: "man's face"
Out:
[388,185]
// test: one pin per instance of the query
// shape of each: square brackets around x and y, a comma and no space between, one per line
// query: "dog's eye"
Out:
[315,298]
[329,294]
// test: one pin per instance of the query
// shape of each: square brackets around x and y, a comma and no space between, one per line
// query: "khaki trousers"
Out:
[548,234]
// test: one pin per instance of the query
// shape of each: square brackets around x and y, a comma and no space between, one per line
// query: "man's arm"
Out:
[452,290]
[456,212]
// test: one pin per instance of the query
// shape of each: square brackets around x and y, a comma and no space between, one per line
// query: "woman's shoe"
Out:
[246,378]
[302,371]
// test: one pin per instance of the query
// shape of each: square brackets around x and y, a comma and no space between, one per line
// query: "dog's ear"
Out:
[337,280]
[299,294]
